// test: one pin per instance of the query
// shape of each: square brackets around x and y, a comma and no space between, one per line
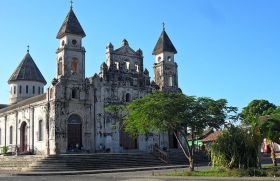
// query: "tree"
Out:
[256,108]
[235,148]
[176,112]
[270,129]
[252,115]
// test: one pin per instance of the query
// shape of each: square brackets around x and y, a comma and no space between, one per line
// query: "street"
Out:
[124,176]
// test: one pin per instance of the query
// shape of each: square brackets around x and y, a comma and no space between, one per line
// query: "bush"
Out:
[235,148]
[5,149]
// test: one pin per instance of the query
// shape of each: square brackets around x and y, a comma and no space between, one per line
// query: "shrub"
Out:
[235,148]
[5,149]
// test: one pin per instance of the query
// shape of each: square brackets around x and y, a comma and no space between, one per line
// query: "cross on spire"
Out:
[71,4]
[28,48]
[163,26]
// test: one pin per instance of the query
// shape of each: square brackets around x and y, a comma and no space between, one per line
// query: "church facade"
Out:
[70,114]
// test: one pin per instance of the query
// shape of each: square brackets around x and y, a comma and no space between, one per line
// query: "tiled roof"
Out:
[212,137]
[27,70]
[71,25]
[25,102]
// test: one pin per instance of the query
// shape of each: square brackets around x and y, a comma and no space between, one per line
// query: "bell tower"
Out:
[71,53]
[165,67]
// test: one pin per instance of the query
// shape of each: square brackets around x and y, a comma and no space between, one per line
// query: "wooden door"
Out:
[127,142]
[23,137]
[74,132]
[74,136]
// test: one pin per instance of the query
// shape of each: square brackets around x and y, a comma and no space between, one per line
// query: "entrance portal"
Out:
[127,142]
[23,137]
[74,132]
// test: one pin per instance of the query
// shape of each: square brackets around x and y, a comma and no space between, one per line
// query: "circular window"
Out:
[74,42]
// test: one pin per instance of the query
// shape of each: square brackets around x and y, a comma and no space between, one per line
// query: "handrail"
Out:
[162,155]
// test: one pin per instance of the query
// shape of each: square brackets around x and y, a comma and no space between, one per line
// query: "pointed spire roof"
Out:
[164,44]
[71,25]
[27,70]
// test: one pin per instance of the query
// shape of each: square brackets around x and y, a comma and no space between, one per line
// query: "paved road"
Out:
[125,176]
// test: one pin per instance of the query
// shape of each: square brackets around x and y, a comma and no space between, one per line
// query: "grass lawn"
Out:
[266,171]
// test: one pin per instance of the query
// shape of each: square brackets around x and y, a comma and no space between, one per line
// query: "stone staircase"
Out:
[17,163]
[97,161]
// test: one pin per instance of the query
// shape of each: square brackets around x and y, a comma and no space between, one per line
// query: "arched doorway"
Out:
[23,137]
[127,142]
[74,132]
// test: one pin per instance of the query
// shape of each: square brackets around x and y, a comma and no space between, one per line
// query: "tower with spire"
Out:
[71,53]
[26,81]
[165,67]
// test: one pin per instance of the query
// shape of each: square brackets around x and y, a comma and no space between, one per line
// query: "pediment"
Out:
[125,50]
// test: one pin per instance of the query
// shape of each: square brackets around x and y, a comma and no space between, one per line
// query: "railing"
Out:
[162,155]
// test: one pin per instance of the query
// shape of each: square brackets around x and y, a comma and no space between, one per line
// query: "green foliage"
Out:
[117,113]
[256,108]
[116,110]
[270,128]
[173,112]
[5,149]
[157,112]
[235,148]
[225,173]
[161,111]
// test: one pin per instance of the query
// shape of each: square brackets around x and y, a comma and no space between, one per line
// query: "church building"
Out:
[69,115]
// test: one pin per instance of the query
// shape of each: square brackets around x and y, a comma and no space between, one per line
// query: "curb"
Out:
[96,171]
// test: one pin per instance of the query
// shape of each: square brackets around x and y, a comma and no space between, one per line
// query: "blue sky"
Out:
[226,48]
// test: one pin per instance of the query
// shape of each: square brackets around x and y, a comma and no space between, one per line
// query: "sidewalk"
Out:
[86,172]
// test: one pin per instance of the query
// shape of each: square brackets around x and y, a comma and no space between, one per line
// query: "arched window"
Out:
[117,65]
[127,64]
[137,67]
[159,59]
[170,81]
[39,90]
[74,42]
[74,65]
[33,89]
[40,130]
[169,58]
[42,90]
[59,71]
[11,134]
[15,89]
[20,89]
[26,89]
[127,97]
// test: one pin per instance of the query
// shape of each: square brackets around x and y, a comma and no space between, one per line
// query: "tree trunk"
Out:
[273,155]
[190,156]
[191,163]
[259,158]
